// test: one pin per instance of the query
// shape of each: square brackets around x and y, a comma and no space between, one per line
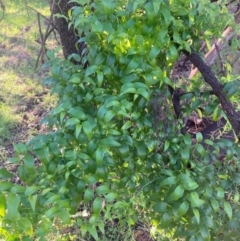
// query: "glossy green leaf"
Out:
[29,161]
[5,174]
[185,153]
[88,97]
[99,156]
[14,160]
[78,130]
[5,186]
[72,121]
[228,209]
[166,145]
[83,229]
[160,207]
[197,215]
[88,195]
[183,209]
[154,52]
[191,185]
[97,205]
[103,189]
[195,200]
[143,92]
[215,204]
[177,193]
[91,69]
[132,65]
[52,212]
[64,216]
[52,199]
[87,129]
[93,231]
[81,186]
[57,110]
[232,91]
[13,202]
[187,139]
[127,125]
[200,149]
[141,149]
[151,79]
[109,142]
[20,148]
[2,205]
[101,227]
[199,137]
[78,113]
[30,190]
[18,189]
[196,104]
[32,200]
[229,154]
[100,78]
[129,90]
[173,54]
[99,58]
[113,103]
[216,114]
[169,181]
[111,196]
[75,80]
[109,116]
[220,193]
[26,225]
[168,81]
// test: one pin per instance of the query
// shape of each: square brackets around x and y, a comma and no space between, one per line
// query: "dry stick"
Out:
[55,35]
[221,43]
[210,78]
[41,37]
[38,13]
[45,38]
[53,25]
[213,52]
[40,52]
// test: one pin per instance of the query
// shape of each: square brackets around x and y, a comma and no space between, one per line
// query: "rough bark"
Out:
[68,36]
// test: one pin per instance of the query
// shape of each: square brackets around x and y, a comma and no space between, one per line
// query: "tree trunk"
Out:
[68,36]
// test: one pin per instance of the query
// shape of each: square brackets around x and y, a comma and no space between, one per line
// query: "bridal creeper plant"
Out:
[115,149]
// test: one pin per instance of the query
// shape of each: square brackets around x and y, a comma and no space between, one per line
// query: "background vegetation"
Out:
[23,99]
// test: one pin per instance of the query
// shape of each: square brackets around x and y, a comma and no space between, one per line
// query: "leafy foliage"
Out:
[115,147]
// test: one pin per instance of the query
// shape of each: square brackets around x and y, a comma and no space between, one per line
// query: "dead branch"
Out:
[44,38]
[38,13]
[210,78]
[227,35]
[211,55]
